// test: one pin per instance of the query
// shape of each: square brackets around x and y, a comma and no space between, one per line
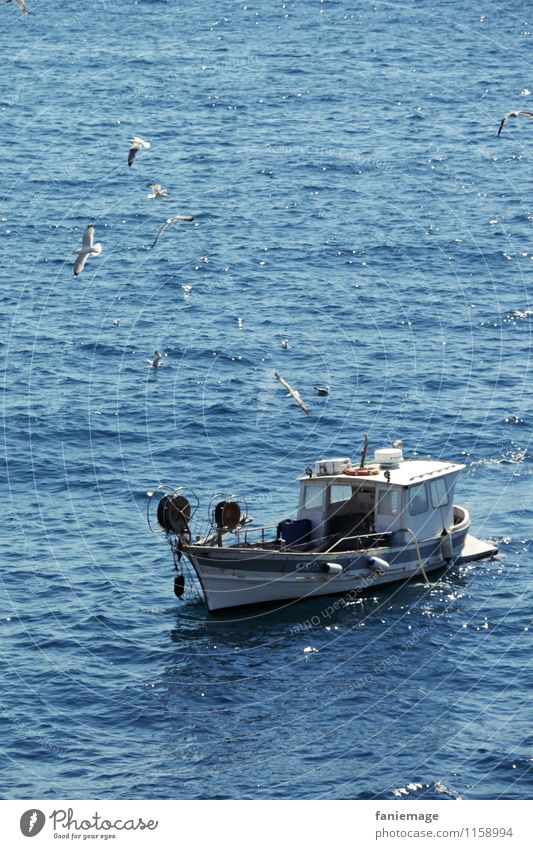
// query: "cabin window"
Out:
[418,499]
[389,502]
[439,492]
[337,493]
[313,497]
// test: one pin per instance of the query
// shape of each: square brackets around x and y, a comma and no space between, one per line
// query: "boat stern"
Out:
[475,549]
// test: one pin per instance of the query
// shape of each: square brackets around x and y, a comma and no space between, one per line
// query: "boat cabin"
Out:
[341,505]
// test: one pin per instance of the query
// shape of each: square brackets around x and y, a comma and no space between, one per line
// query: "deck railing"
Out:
[250,536]
[364,540]
[244,533]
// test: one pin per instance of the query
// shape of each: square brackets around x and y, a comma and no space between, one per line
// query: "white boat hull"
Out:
[236,576]
[224,588]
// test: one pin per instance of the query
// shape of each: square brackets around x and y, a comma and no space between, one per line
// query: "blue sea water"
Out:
[350,194]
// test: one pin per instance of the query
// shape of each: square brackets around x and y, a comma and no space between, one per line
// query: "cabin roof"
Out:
[407,473]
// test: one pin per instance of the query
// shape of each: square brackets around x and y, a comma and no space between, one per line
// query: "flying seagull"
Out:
[292,392]
[136,144]
[157,190]
[21,4]
[87,248]
[169,221]
[513,115]
[321,390]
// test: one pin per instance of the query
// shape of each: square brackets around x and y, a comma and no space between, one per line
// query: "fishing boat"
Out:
[356,527]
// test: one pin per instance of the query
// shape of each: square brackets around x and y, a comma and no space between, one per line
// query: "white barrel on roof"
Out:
[388,458]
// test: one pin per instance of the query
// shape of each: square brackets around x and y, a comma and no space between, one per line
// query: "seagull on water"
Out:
[157,191]
[321,390]
[136,144]
[285,344]
[21,4]
[155,362]
[168,222]
[513,115]
[116,322]
[87,248]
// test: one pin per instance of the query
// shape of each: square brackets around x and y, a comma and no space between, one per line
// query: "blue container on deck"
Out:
[295,532]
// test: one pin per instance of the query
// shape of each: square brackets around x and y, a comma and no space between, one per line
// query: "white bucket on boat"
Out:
[388,458]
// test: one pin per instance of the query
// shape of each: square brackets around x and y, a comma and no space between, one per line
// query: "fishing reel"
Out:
[174,511]
[225,512]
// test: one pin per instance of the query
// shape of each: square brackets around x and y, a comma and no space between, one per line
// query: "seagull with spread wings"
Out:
[292,392]
[157,191]
[136,145]
[21,4]
[168,222]
[156,360]
[513,115]
[87,248]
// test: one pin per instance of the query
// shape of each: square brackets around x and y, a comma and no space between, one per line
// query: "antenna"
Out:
[363,452]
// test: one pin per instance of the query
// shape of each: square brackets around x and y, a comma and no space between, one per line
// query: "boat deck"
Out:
[476,549]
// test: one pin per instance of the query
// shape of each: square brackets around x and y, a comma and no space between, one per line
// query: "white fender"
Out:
[446,545]
[333,568]
[378,564]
